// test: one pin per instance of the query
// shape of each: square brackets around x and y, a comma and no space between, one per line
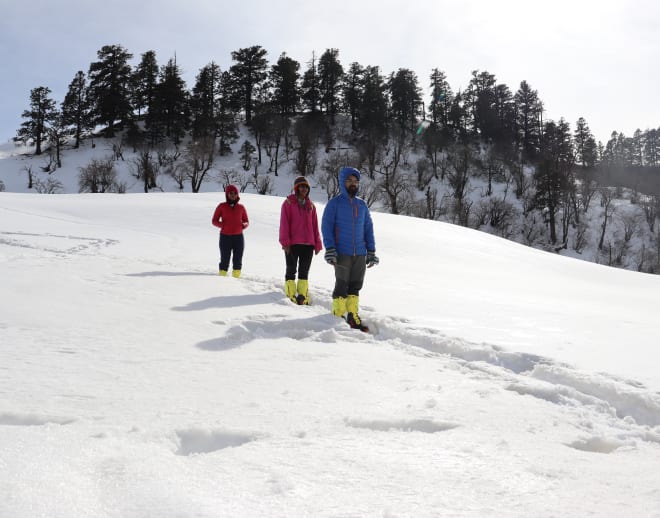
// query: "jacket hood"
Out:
[229,189]
[344,173]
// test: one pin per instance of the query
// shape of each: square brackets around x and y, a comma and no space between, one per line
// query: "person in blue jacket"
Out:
[348,238]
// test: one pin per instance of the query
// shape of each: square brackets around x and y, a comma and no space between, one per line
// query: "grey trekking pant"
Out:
[349,275]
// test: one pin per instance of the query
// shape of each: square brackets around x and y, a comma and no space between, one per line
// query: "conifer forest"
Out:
[484,157]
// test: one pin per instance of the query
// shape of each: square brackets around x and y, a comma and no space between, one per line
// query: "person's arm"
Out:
[216,220]
[244,218]
[285,234]
[369,240]
[328,224]
[318,246]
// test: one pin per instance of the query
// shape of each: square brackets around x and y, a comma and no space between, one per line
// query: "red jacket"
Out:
[231,220]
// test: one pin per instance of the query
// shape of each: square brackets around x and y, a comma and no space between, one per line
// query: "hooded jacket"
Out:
[230,218]
[346,222]
[299,223]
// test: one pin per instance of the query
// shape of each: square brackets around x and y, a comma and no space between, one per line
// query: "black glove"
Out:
[331,256]
[372,260]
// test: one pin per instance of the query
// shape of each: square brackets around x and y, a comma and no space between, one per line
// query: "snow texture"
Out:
[497,380]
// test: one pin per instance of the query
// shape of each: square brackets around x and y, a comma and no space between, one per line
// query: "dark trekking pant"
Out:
[231,247]
[299,258]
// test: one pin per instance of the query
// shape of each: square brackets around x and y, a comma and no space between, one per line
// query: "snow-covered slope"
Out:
[134,381]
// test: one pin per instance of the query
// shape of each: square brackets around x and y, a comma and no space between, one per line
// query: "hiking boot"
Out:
[354,321]
[302,288]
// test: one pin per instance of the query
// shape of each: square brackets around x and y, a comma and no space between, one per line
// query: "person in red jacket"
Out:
[300,239]
[231,218]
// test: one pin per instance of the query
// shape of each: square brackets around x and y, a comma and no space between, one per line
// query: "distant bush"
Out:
[50,186]
[98,176]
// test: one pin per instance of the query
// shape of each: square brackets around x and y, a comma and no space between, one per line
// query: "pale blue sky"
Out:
[598,59]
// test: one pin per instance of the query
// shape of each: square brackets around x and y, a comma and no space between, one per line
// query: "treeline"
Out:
[359,115]
[115,95]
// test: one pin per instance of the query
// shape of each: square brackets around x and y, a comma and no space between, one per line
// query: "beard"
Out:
[352,190]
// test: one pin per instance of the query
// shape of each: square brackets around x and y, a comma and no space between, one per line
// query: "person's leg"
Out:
[225,253]
[305,255]
[291,264]
[356,275]
[355,282]
[238,246]
[342,276]
[290,275]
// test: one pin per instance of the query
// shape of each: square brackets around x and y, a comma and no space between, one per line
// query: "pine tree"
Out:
[651,147]
[505,132]
[529,110]
[76,107]
[610,153]
[405,98]
[144,81]
[109,87]
[373,108]
[330,74]
[480,98]
[311,87]
[441,99]
[227,128]
[373,121]
[248,72]
[211,108]
[554,172]
[284,78]
[38,117]
[205,102]
[586,155]
[628,146]
[171,114]
[458,117]
[354,92]
[585,145]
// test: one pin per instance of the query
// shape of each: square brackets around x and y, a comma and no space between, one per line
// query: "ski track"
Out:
[628,405]
[47,242]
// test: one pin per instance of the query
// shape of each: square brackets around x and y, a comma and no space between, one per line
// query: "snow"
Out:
[134,381]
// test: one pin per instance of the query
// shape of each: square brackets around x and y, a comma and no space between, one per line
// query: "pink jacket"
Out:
[299,224]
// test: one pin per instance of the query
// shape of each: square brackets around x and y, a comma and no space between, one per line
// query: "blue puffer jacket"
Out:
[346,223]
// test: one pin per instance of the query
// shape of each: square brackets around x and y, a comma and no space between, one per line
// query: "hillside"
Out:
[615,226]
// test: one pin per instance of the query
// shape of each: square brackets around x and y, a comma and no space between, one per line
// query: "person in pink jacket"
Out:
[300,239]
